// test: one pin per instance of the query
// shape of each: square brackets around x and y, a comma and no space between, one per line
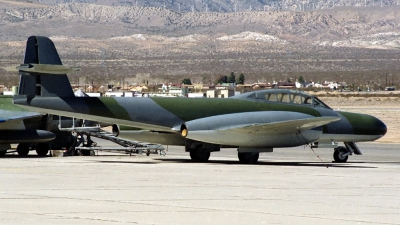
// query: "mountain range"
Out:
[264,39]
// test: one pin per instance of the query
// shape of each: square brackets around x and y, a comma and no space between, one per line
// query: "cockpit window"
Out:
[319,103]
[298,99]
[308,100]
[271,97]
[285,96]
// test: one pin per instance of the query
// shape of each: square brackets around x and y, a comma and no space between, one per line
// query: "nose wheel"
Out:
[341,154]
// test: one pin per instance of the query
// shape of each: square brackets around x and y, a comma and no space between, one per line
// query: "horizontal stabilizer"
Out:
[10,68]
[47,68]
[283,127]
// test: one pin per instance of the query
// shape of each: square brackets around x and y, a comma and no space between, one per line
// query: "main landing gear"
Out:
[42,149]
[23,149]
[200,154]
[199,151]
[248,157]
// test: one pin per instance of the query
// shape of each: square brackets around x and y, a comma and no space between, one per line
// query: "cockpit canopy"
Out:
[283,96]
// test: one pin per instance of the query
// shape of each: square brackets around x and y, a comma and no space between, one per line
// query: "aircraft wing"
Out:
[13,120]
[282,127]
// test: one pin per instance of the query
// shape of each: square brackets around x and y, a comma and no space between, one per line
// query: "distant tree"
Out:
[221,79]
[206,80]
[300,79]
[232,78]
[186,81]
[241,79]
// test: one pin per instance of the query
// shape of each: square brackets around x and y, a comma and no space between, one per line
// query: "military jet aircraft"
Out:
[34,131]
[253,122]
[22,127]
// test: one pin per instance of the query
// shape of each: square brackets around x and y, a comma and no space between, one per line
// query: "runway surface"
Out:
[289,186]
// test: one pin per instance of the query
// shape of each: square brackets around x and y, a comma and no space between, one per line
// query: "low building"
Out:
[225,93]
[196,95]
[113,94]
[225,86]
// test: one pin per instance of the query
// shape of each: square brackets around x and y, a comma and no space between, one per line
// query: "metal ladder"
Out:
[128,146]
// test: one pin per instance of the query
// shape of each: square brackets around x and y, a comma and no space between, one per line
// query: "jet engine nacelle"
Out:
[253,129]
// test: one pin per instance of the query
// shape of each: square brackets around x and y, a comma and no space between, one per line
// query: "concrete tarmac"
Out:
[289,186]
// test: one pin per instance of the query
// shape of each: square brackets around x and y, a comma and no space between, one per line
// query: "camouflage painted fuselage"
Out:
[165,114]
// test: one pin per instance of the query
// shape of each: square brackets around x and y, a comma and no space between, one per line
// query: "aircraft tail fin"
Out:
[42,73]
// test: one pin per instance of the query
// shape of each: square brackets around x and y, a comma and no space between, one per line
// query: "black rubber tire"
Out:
[42,149]
[199,154]
[85,152]
[248,157]
[88,153]
[3,153]
[337,155]
[23,149]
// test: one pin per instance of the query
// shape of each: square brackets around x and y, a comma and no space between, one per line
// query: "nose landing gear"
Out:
[341,153]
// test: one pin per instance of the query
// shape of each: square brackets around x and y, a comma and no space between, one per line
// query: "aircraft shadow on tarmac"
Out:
[260,163]
[122,160]
[266,163]
[125,162]
[14,156]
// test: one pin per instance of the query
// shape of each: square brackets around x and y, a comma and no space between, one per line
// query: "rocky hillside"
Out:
[120,37]
[99,21]
[227,5]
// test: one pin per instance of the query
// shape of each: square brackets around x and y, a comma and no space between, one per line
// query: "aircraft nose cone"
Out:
[366,125]
[371,125]
[380,127]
